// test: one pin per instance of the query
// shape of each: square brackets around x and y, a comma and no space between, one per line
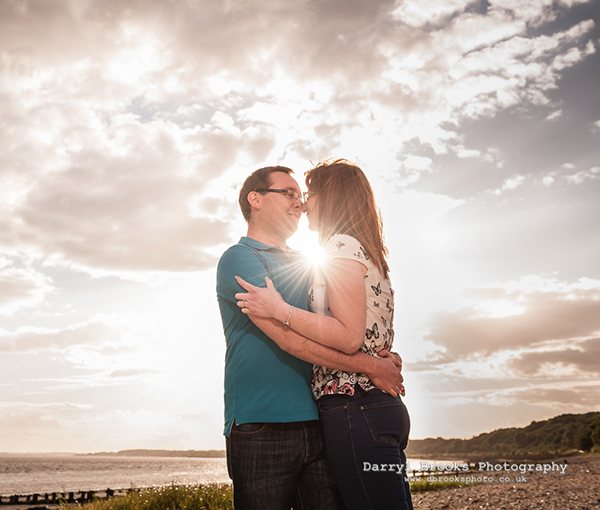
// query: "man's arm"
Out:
[383,372]
[240,260]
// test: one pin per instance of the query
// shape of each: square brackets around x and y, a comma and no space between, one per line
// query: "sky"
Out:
[127,128]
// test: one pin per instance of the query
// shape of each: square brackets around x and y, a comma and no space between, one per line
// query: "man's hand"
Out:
[386,373]
[384,353]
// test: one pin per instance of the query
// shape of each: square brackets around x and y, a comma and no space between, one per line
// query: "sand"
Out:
[577,489]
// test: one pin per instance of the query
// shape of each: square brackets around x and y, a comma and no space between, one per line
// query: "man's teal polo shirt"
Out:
[262,382]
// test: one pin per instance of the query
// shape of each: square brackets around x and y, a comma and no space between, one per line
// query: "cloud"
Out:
[180,63]
[513,182]
[516,316]
[584,175]
[429,12]
[21,418]
[97,172]
[536,12]
[576,178]
[21,287]
[131,372]
[580,357]
[579,396]
[554,115]
[127,128]
[93,334]
[125,204]
[517,70]
[67,427]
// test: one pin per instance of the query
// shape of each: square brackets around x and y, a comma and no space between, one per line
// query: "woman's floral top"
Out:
[379,330]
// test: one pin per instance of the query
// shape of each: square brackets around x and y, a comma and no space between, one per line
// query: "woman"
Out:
[352,306]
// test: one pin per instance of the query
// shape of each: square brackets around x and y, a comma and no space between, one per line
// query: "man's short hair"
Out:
[259,179]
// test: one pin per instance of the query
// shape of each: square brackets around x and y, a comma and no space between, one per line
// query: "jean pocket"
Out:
[248,428]
[332,403]
[388,422]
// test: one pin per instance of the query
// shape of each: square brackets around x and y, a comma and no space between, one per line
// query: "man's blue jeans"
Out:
[366,435]
[278,466]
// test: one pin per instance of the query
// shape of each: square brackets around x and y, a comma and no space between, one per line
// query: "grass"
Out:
[173,497]
[207,497]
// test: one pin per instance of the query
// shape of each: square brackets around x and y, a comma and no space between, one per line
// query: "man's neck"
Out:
[262,236]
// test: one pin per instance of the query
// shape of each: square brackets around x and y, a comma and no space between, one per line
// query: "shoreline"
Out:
[575,486]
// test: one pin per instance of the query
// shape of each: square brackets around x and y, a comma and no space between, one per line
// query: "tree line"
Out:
[559,435]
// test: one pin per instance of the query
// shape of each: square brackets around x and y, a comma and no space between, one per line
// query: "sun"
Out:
[315,255]
[307,242]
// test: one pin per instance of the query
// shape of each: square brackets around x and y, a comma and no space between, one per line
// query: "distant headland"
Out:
[161,453]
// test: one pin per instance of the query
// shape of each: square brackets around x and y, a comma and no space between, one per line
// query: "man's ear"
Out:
[255,200]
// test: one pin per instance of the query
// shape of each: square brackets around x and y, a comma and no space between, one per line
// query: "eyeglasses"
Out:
[291,194]
[307,194]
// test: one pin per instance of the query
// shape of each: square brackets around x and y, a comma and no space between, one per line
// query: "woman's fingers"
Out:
[257,301]
[242,297]
[243,283]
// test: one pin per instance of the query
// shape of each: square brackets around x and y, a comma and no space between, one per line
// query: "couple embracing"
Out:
[312,392]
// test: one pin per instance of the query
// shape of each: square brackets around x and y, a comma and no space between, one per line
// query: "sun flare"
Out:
[315,255]
[307,242]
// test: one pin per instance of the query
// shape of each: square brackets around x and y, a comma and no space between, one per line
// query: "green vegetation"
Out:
[204,497]
[174,497]
[562,434]
[559,435]
[590,439]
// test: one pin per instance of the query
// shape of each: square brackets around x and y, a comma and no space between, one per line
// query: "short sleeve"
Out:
[345,247]
[239,261]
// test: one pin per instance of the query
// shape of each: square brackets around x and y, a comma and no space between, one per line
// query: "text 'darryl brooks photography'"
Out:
[480,472]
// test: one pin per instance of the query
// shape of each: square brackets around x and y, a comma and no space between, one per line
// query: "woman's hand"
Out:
[262,302]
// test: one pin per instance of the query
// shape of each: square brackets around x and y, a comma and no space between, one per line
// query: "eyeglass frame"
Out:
[307,194]
[290,193]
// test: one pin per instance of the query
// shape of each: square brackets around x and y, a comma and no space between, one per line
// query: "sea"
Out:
[41,474]
[48,473]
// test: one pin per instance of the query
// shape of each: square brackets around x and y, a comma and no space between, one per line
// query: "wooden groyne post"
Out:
[55,498]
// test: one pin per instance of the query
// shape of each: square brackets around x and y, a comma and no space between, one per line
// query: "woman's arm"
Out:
[344,330]
[384,371]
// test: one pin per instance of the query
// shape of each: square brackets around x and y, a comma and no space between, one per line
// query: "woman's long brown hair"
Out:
[346,205]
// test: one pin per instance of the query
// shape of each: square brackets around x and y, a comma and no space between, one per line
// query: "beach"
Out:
[571,483]
[577,489]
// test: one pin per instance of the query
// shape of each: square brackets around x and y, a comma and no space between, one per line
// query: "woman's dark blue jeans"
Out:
[365,437]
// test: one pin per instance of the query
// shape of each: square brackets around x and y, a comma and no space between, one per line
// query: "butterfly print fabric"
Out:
[379,332]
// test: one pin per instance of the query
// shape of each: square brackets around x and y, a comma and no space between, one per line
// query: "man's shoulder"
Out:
[242,259]
[235,249]
[240,250]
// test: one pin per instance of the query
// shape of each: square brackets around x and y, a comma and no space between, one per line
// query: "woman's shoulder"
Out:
[346,246]
[341,241]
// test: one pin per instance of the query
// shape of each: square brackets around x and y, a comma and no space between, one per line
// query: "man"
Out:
[275,452]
